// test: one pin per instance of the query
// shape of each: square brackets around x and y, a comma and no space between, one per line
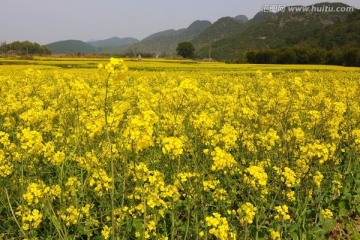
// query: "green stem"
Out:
[112,193]
[144,219]
[187,221]
[13,214]
[56,222]
[172,225]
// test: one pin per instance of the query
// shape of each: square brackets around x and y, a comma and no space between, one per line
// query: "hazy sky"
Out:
[46,21]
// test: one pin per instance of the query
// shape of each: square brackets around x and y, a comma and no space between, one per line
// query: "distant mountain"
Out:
[241,18]
[114,42]
[166,34]
[112,45]
[342,34]
[229,38]
[165,42]
[223,28]
[71,47]
[268,30]
[107,46]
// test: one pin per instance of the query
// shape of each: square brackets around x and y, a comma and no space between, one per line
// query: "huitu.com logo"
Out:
[311,8]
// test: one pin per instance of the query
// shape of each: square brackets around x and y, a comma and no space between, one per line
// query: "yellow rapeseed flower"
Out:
[248,211]
[222,160]
[275,235]
[326,213]
[105,232]
[282,213]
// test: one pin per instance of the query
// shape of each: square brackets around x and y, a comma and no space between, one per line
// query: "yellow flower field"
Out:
[94,149]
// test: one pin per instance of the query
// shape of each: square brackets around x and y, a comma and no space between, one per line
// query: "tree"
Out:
[251,56]
[260,56]
[24,48]
[286,56]
[185,49]
[351,57]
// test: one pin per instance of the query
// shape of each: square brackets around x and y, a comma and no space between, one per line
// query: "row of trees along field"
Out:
[299,55]
[23,48]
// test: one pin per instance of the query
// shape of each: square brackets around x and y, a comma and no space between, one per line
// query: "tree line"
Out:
[23,48]
[299,55]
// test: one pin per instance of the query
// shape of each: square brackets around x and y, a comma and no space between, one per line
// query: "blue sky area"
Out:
[46,21]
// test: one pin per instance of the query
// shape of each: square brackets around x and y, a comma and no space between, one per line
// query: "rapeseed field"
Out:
[140,150]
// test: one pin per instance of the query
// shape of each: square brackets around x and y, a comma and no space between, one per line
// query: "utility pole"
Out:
[3,48]
[210,42]
[209,50]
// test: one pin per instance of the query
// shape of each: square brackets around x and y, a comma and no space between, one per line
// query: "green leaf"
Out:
[294,235]
[294,228]
[97,238]
[303,236]
[137,224]
[317,233]
[343,208]
[329,225]
[352,230]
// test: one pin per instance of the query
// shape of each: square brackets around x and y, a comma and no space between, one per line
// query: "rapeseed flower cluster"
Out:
[219,227]
[222,160]
[356,135]
[72,186]
[172,146]
[37,192]
[71,215]
[318,177]
[30,219]
[138,135]
[6,168]
[282,213]
[319,151]
[114,66]
[31,140]
[105,232]
[100,181]
[247,211]
[210,184]
[256,177]
[337,184]
[326,213]
[289,177]
[275,235]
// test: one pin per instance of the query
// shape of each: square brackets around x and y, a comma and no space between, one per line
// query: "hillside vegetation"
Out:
[71,46]
[23,48]
[164,43]
[324,30]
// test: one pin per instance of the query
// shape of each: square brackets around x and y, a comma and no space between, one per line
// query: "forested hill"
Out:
[70,47]
[165,42]
[112,45]
[267,30]
[23,48]
[230,38]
